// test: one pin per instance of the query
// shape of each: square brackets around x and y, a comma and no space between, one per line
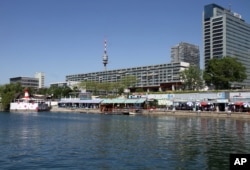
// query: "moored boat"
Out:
[29,104]
[132,113]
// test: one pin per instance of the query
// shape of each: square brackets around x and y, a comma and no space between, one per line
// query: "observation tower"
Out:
[105,56]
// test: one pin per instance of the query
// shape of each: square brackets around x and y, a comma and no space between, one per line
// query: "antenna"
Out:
[105,56]
[229,7]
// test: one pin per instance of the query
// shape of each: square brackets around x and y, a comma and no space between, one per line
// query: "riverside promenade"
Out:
[238,115]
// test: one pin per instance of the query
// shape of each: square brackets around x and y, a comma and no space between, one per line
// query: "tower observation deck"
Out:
[105,56]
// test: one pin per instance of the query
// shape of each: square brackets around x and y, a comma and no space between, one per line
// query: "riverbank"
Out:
[240,115]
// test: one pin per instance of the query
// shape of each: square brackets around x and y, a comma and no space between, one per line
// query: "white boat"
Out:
[132,113]
[135,112]
[29,104]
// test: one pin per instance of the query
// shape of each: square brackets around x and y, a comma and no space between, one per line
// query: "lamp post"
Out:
[212,76]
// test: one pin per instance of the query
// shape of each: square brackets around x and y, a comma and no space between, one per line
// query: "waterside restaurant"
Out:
[105,105]
[212,101]
[119,104]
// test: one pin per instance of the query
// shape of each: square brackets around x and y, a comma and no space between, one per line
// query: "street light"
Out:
[212,77]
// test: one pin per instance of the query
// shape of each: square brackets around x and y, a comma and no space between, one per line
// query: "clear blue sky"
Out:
[63,37]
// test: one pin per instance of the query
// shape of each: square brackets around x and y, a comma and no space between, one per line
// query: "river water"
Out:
[93,141]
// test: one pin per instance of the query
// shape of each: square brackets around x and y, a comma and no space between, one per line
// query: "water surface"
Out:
[93,141]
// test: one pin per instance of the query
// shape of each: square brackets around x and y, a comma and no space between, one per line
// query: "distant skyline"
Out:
[63,37]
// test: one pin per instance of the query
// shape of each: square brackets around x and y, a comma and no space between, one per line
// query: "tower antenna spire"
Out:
[105,55]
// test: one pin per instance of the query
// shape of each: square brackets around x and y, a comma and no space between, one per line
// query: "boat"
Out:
[132,113]
[29,104]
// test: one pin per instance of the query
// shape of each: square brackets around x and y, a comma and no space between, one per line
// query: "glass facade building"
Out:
[225,33]
[150,78]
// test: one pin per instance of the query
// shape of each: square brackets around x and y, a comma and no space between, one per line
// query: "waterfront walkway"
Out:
[241,115]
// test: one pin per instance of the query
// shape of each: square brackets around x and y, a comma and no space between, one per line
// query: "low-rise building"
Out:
[159,77]
[26,81]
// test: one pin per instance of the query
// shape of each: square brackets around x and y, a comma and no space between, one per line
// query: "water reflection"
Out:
[205,140]
[64,141]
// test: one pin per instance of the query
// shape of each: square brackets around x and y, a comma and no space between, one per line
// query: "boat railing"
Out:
[29,101]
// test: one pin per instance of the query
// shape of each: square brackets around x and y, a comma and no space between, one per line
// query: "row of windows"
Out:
[116,73]
[169,76]
[217,23]
[217,19]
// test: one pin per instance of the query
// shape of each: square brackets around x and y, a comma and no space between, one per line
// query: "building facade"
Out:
[150,78]
[26,81]
[225,33]
[41,77]
[58,84]
[185,52]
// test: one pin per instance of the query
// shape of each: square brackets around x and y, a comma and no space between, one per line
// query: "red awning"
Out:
[205,103]
[239,103]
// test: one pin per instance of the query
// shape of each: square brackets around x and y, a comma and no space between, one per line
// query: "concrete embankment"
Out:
[239,115]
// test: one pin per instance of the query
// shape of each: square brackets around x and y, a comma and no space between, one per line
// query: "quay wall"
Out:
[243,115]
[238,115]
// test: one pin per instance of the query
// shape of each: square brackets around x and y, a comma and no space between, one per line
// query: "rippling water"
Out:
[94,141]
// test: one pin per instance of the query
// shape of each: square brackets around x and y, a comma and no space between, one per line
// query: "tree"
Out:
[128,81]
[8,93]
[43,91]
[107,87]
[222,72]
[192,78]
[58,92]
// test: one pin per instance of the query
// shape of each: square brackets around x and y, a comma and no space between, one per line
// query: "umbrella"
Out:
[190,103]
[204,103]
[246,104]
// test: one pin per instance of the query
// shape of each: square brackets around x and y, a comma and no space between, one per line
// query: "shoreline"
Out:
[239,115]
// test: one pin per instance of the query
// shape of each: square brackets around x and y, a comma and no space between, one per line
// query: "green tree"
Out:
[192,78]
[8,93]
[128,81]
[222,72]
[109,87]
[58,92]
[91,86]
[43,91]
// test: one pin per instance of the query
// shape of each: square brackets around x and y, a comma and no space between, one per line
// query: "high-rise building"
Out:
[225,33]
[185,52]
[40,76]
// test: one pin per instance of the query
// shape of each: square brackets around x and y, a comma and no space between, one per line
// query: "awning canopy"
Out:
[111,101]
[94,101]
[105,101]
[123,101]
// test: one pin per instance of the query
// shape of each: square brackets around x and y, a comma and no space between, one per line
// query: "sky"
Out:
[64,37]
